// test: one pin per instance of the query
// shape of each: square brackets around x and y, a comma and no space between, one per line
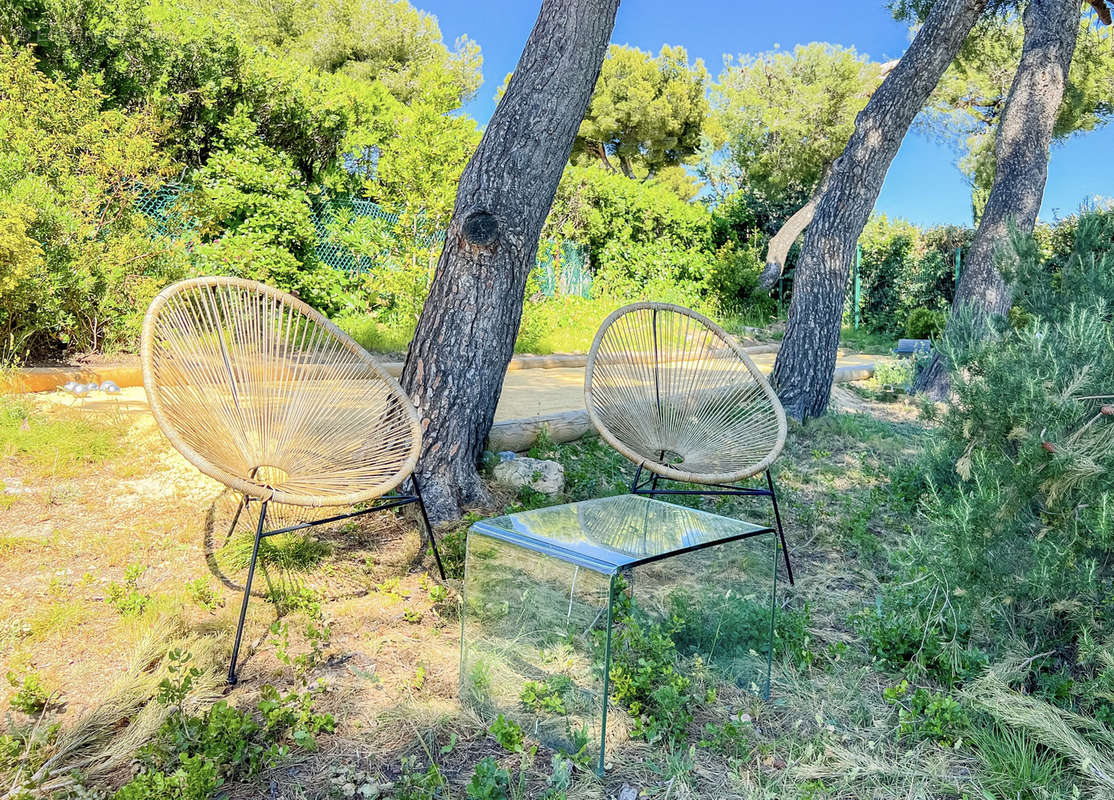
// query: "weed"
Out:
[548,697]
[31,696]
[732,739]
[126,598]
[508,734]
[918,626]
[201,592]
[412,615]
[720,626]
[415,785]
[644,676]
[489,781]
[191,756]
[438,594]
[928,715]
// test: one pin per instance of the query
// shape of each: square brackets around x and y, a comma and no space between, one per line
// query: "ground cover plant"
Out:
[881,687]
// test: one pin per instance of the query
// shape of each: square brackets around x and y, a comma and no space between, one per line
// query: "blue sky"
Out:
[923,184]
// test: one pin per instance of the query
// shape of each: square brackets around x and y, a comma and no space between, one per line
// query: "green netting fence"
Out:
[562,268]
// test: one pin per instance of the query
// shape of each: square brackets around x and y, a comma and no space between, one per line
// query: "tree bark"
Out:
[782,241]
[1021,152]
[465,337]
[806,362]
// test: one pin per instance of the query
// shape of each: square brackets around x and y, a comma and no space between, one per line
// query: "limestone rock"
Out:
[547,477]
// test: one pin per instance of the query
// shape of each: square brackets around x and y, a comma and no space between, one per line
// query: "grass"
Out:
[357,612]
[865,341]
[60,441]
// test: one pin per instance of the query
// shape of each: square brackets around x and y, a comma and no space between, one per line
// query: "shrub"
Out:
[924,323]
[77,263]
[1026,511]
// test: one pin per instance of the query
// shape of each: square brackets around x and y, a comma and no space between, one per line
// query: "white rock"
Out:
[547,477]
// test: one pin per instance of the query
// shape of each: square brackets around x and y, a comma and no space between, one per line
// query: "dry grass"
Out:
[391,666]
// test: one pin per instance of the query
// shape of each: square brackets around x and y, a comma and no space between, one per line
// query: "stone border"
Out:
[519,435]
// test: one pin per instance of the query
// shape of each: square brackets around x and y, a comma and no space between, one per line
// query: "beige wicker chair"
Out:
[674,393]
[262,393]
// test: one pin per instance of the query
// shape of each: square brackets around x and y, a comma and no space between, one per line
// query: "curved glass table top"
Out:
[611,533]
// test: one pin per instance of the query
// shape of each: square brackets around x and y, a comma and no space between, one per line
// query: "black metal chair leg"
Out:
[780,530]
[247,591]
[428,527]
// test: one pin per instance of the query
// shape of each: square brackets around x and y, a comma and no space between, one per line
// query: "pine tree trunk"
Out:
[1021,154]
[465,337]
[806,362]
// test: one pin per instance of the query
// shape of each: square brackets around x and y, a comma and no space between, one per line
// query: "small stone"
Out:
[547,477]
[628,792]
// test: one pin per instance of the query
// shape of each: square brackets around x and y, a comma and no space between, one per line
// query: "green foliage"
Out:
[906,270]
[77,263]
[924,323]
[645,674]
[967,103]
[195,779]
[191,756]
[548,697]
[646,113]
[489,781]
[415,785]
[785,116]
[898,374]
[202,593]
[391,43]
[1022,507]
[508,734]
[714,626]
[31,697]
[928,715]
[126,597]
[917,626]
[733,739]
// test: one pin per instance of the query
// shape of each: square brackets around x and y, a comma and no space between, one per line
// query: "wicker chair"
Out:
[671,391]
[262,393]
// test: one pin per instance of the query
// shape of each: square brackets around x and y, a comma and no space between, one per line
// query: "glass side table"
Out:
[554,597]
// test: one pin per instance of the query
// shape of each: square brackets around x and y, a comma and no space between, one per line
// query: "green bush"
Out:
[904,269]
[78,265]
[924,323]
[1020,505]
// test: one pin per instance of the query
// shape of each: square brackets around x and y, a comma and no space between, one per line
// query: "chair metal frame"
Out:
[385,503]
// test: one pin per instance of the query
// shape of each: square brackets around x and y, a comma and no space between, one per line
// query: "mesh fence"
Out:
[562,268]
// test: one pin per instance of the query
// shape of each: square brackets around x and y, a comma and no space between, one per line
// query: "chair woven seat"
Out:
[262,393]
[674,393]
